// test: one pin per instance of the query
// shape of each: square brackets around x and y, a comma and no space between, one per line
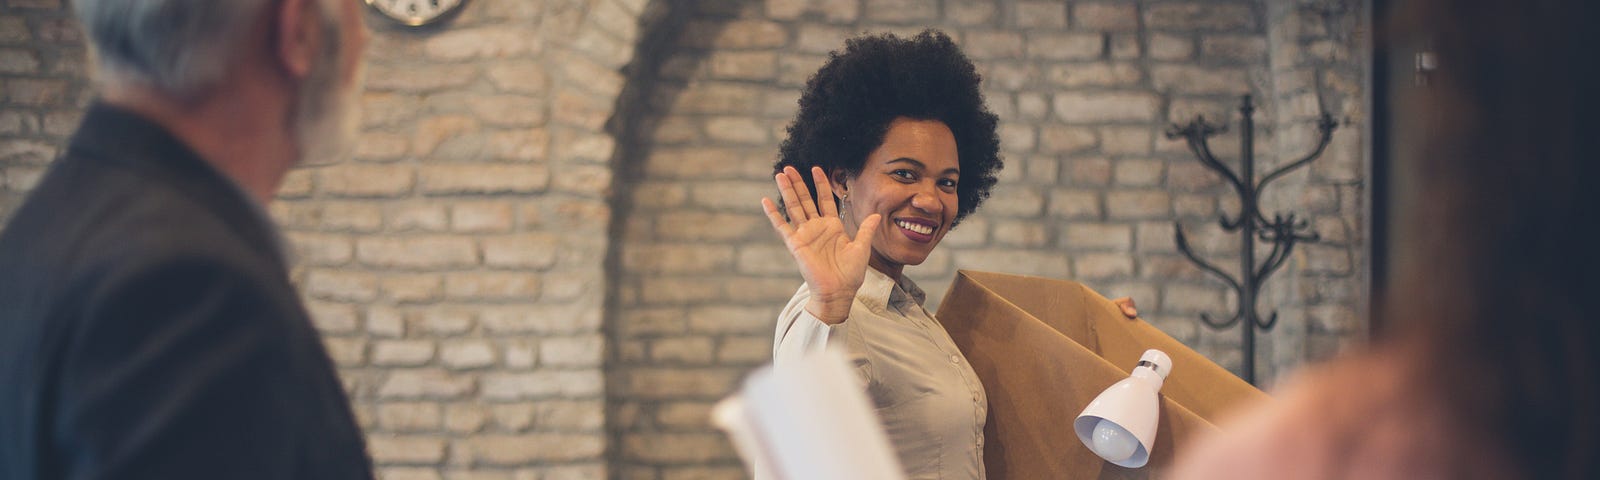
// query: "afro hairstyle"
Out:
[847,106]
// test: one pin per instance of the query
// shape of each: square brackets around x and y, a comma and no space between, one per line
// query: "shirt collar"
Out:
[881,291]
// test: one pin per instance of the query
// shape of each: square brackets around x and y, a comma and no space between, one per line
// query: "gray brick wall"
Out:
[546,259]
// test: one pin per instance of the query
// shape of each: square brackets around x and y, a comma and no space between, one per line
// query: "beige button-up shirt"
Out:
[930,401]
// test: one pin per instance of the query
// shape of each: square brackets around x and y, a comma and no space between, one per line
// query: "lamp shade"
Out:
[1120,424]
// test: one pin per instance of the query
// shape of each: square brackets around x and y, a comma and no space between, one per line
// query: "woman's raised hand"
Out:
[833,264]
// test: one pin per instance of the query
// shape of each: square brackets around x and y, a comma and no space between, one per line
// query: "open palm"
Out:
[832,263]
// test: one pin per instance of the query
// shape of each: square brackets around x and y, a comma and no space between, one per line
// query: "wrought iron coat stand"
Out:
[1283,230]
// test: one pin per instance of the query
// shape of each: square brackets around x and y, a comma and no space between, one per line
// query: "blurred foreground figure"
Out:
[1493,371]
[148,326]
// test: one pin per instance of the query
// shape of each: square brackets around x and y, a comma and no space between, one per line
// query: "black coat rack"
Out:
[1284,230]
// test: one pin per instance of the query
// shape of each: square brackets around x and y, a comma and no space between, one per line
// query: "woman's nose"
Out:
[927,202]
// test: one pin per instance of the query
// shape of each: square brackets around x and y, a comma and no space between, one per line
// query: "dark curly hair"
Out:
[849,103]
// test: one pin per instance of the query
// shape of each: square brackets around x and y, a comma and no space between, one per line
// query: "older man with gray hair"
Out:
[147,321]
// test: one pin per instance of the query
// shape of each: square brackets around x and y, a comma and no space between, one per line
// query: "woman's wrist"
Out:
[830,311]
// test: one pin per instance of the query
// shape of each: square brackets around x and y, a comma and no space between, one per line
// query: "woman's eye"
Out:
[904,174]
[947,183]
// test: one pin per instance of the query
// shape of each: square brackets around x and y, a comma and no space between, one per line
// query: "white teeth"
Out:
[922,229]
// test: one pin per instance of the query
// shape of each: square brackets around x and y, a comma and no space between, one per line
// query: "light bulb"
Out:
[1111,442]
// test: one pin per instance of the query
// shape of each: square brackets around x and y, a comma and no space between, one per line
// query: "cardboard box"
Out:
[1045,348]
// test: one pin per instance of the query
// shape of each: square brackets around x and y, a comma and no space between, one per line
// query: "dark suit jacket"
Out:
[148,328]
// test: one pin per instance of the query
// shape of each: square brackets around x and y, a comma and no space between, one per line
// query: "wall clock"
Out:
[416,13]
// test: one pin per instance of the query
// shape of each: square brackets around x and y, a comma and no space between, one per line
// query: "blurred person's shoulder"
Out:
[1360,417]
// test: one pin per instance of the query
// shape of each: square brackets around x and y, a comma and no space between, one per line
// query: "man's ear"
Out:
[298,37]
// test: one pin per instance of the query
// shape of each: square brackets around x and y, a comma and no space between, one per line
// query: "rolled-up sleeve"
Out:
[800,333]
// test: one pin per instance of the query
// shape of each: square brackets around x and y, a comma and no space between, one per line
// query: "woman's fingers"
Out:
[800,190]
[825,204]
[791,202]
[783,227]
[869,227]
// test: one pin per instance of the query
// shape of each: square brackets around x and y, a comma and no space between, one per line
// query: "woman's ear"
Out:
[297,36]
[836,180]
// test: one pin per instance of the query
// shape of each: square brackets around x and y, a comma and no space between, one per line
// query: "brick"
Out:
[514,417]
[1139,173]
[416,217]
[1015,202]
[745,350]
[524,77]
[1056,139]
[582,415]
[412,288]
[481,217]
[693,258]
[1074,204]
[36,92]
[737,34]
[1106,16]
[1171,47]
[465,418]
[532,448]
[693,448]
[408,353]
[540,319]
[1088,236]
[416,252]
[1156,237]
[744,65]
[1194,299]
[531,250]
[346,352]
[1065,46]
[424,383]
[993,45]
[541,384]
[365,180]
[717,97]
[353,217]
[583,351]
[1041,14]
[410,417]
[508,110]
[384,321]
[388,450]
[1126,46]
[1023,234]
[1044,264]
[19,61]
[731,319]
[1200,80]
[420,78]
[902,11]
[321,249]
[970,13]
[1106,107]
[666,383]
[1125,141]
[341,285]
[702,226]
[14,29]
[334,318]
[1089,171]
[737,130]
[1200,16]
[1138,204]
[491,285]
[462,354]
[1094,74]
[681,351]
[1234,48]
[1102,266]
[482,178]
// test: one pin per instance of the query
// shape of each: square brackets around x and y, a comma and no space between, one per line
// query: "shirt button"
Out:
[980,440]
[955,359]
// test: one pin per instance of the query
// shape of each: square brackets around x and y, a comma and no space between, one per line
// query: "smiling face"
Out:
[911,181]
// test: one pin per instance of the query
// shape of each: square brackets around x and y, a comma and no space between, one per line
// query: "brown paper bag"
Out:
[1045,348]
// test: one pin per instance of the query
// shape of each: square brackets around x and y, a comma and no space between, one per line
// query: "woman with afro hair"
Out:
[897,147]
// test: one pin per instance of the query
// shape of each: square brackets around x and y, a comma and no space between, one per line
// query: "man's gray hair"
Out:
[176,46]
